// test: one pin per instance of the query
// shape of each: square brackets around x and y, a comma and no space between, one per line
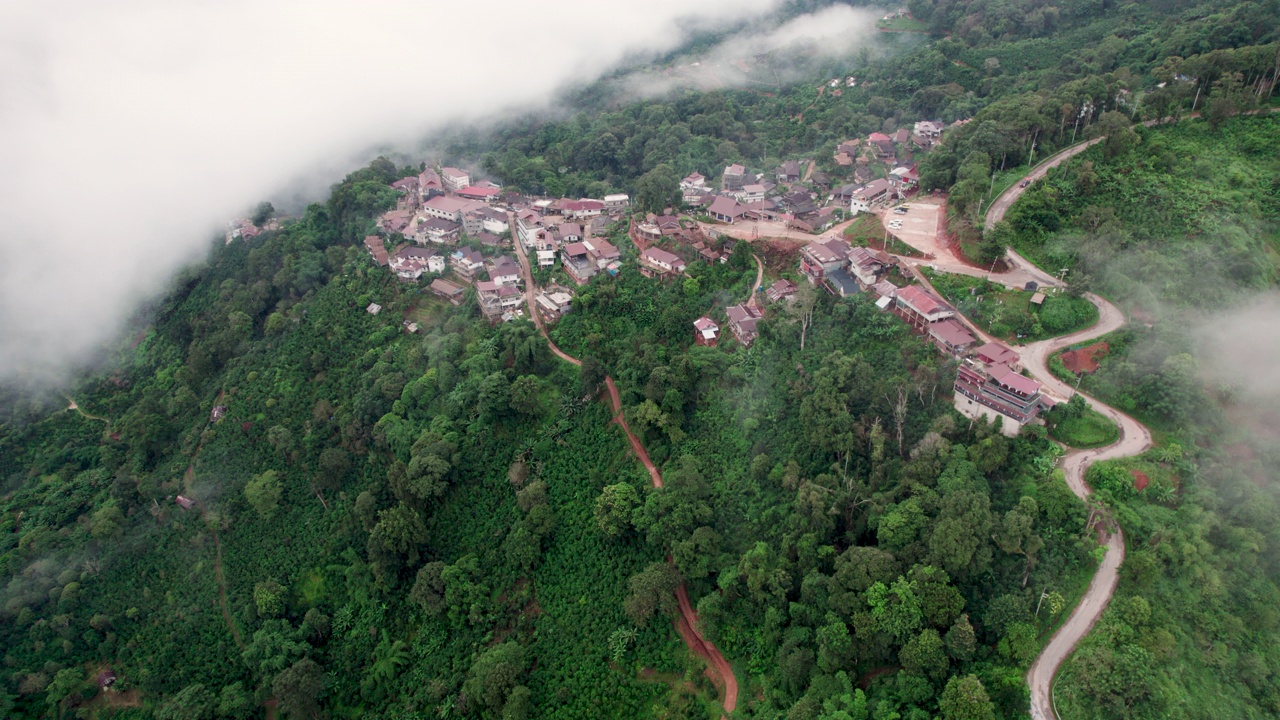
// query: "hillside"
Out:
[310,489]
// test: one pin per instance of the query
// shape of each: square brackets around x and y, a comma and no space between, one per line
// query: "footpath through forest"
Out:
[718,668]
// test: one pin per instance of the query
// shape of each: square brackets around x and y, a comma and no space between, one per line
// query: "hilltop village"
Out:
[466,239]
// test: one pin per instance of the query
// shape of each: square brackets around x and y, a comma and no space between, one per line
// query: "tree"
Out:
[614,508]
[281,438]
[335,463]
[274,647]
[300,688]
[1119,132]
[494,675]
[965,699]
[961,641]
[193,702]
[269,597]
[526,395]
[262,213]
[651,591]
[428,588]
[657,190]
[263,493]
[67,685]
[235,703]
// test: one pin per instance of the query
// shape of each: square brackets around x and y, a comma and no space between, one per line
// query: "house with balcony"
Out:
[733,178]
[743,321]
[455,179]
[616,203]
[497,299]
[504,271]
[921,308]
[577,262]
[996,390]
[467,263]
[823,256]
[655,262]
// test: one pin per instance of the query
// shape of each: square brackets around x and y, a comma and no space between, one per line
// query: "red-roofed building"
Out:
[656,261]
[919,307]
[455,179]
[782,289]
[951,337]
[997,391]
[994,353]
[472,192]
[705,332]
[821,257]
[377,249]
[585,208]
[726,210]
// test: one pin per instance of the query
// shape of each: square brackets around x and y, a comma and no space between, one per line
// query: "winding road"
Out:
[1134,437]
[718,668]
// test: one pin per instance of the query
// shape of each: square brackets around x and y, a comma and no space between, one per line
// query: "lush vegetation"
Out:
[448,524]
[1075,425]
[1009,314]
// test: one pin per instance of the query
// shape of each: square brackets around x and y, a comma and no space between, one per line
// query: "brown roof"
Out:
[444,287]
[951,332]
[726,206]
[994,352]
[921,300]
[1004,375]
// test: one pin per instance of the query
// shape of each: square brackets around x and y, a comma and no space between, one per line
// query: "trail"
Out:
[71,405]
[219,576]
[222,592]
[759,279]
[718,669]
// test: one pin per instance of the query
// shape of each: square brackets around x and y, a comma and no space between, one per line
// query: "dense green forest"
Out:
[448,524]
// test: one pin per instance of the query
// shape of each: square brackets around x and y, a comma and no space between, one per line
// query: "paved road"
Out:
[995,213]
[1134,440]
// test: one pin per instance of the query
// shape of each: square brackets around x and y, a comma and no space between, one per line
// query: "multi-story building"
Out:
[997,391]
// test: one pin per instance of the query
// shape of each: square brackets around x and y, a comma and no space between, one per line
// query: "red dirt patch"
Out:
[1140,480]
[1085,359]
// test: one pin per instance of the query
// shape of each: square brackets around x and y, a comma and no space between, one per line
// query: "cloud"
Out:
[764,55]
[131,131]
[1239,347]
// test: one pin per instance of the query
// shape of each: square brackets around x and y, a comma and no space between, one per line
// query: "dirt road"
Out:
[718,669]
[751,300]
[641,453]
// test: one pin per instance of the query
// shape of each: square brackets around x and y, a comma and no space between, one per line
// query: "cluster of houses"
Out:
[437,209]
[743,195]
[883,173]
[988,382]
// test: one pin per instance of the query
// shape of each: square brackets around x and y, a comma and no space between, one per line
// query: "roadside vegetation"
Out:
[448,524]
[1075,425]
[1009,314]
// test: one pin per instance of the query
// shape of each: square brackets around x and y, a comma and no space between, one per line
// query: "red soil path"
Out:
[641,453]
[718,669]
